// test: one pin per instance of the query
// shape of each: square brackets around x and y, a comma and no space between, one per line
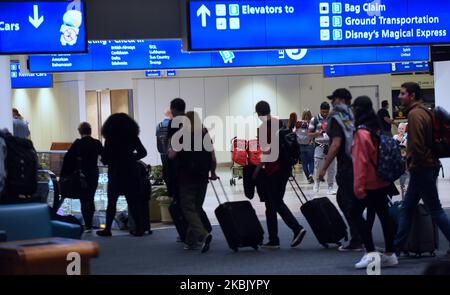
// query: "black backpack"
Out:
[162,136]
[21,166]
[289,148]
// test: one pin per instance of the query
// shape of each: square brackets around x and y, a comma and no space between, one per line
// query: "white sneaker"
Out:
[316,186]
[366,260]
[389,260]
[331,191]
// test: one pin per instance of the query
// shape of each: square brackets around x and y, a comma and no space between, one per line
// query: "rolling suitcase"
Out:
[180,222]
[239,223]
[423,236]
[323,218]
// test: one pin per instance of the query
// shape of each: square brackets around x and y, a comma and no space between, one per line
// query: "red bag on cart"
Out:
[239,151]
[254,152]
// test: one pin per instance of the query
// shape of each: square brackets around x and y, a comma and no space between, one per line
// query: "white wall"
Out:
[219,93]
[53,113]
[442,90]
[237,95]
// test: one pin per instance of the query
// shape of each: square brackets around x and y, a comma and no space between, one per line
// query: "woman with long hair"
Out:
[306,145]
[122,150]
[292,121]
[370,190]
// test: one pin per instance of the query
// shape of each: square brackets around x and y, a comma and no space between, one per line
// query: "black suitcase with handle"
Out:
[239,223]
[323,217]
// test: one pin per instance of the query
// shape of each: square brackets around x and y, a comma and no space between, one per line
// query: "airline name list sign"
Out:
[215,25]
[168,54]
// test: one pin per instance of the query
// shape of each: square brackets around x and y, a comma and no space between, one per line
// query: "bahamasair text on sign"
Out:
[253,24]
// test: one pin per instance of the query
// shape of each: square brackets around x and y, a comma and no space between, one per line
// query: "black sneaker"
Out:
[206,242]
[271,245]
[350,247]
[311,179]
[298,237]
[104,233]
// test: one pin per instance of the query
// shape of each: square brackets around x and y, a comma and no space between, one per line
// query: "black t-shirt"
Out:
[86,148]
[344,162]
[383,113]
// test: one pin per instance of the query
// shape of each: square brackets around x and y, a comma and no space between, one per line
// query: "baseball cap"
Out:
[340,93]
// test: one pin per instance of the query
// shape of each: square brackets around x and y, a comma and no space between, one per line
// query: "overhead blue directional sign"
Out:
[167,54]
[263,24]
[42,27]
[368,69]
[29,80]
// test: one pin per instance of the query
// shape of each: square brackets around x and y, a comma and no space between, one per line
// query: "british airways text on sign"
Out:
[42,27]
[253,24]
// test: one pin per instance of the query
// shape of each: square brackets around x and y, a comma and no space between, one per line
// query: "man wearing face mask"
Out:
[340,129]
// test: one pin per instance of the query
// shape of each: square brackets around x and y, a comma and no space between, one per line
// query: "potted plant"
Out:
[153,206]
[156,176]
[162,196]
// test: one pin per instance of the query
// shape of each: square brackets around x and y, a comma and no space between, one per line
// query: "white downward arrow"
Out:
[203,11]
[36,21]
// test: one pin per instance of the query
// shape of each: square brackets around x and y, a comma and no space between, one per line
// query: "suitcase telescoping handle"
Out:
[215,191]
[291,180]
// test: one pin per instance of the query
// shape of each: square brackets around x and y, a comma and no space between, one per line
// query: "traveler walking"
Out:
[122,150]
[370,190]
[422,164]
[83,155]
[272,177]
[340,129]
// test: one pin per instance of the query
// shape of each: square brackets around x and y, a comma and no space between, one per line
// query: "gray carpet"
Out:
[159,254]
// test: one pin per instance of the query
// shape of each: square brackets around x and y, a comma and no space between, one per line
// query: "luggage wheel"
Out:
[235,250]
[339,244]
[433,254]
[325,246]
[256,247]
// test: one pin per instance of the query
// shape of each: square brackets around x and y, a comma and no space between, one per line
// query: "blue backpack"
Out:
[391,165]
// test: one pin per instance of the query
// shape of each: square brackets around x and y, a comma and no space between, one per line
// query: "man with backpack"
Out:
[20,169]
[317,131]
[340,130]
[272,176]
[423,165]
[162,141]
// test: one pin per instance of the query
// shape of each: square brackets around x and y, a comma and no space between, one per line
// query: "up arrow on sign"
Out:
[203,11]
[36,21]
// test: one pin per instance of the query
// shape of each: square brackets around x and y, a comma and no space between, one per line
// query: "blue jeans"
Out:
[307,159]
[422,185]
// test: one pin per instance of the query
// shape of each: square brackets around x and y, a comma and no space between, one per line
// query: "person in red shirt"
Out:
[370,190]
[273,177]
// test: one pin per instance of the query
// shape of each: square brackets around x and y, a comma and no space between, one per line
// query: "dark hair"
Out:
[341,93]
[85,128]
[292,120]
[324,106]
[178,104]
[384,103]
[120,126]
[365,115]
[413,87]
[262,108]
